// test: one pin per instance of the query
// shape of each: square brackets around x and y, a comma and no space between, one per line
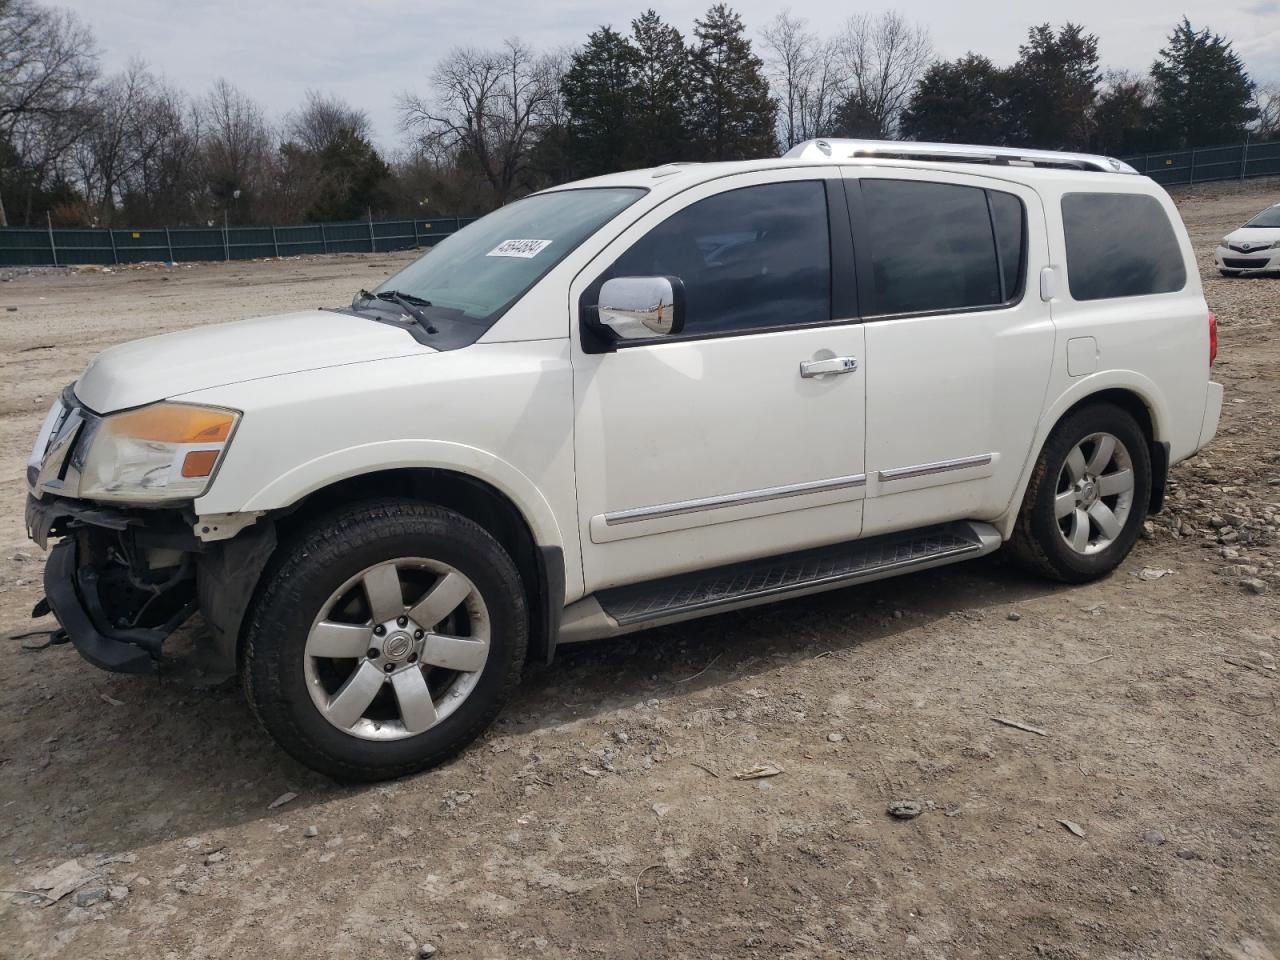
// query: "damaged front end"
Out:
[123,576]
[118,583]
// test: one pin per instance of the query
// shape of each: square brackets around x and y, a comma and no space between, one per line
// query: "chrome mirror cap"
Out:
[640,307]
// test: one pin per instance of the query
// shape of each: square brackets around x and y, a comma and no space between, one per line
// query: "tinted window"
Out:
[1011,246]
[749,258]
[1119,245]
[933,246]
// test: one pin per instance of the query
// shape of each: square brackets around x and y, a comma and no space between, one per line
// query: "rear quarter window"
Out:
[1120,245]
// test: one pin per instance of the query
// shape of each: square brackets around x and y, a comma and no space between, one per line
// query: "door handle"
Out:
[817,368]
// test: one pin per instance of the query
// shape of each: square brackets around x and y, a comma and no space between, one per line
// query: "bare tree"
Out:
[1266,98]
[48,63]
[163,180]
[324,120]
[487,109]
[104,153]
[883,57]
[236,147]
[802,69]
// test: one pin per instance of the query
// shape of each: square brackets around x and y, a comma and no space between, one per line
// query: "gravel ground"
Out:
[602,816]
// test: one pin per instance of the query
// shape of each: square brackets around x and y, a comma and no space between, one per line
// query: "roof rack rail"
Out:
[839,148]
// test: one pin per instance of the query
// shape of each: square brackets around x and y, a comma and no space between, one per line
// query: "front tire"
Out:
[386,638]
[1087,498]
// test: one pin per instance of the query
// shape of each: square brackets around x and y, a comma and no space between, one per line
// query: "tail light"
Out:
[1213,339]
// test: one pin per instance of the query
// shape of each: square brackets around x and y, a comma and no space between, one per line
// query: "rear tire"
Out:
[1087,498]
[386,638]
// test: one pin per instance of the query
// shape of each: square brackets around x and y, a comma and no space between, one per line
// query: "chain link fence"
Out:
[35,246]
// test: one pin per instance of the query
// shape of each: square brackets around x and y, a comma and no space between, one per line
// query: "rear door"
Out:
[958,341]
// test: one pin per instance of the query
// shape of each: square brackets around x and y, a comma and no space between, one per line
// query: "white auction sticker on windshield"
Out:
[524,249]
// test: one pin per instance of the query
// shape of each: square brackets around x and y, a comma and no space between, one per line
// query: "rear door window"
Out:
[1120,245]
[937,247]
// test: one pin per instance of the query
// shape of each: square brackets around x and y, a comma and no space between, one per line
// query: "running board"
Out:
[639,606]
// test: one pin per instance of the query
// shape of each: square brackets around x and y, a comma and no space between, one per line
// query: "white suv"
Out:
[628,402]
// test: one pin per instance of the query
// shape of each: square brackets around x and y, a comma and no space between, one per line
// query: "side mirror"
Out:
[638,307]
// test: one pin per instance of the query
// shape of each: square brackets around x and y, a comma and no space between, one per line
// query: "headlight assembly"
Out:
[161,452]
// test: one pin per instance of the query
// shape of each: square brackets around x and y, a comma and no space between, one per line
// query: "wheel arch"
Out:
[541,565]
[1135,398]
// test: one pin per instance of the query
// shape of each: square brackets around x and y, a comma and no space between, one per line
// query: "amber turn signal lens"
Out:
[175,423]
[199,463]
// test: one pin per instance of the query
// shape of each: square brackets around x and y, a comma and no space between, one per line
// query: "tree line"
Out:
[83,148]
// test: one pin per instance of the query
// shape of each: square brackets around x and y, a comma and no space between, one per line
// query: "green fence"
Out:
[28,247]
[1207,164]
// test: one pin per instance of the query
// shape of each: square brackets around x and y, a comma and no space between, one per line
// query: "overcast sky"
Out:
[369,51]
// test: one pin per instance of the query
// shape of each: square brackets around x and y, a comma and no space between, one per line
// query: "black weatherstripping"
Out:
[844,274]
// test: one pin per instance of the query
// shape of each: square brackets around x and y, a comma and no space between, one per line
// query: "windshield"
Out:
[478,272]
[1269,217]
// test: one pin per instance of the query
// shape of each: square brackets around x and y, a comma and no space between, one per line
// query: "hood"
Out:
[156,368]
[1255,238]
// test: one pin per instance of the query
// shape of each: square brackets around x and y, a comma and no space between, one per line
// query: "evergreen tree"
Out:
[1202,94]
[855,117]
[1122,117]
[733,115]
[660,130]
[598,96]
[959,101]
[1053,86]
[352,179]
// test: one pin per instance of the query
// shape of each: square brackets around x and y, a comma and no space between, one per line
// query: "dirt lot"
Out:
[601,817]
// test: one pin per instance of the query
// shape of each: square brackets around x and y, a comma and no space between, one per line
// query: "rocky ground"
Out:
[1094,769]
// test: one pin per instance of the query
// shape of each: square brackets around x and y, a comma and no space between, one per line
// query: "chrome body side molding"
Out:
[681,507]
[928,469]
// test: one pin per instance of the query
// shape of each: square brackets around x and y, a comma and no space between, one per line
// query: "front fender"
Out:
[296,483]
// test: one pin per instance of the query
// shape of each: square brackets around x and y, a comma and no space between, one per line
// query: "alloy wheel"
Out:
[397,648]
[1094,494]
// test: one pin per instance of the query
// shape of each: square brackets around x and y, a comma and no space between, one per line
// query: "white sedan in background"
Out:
[1254,248]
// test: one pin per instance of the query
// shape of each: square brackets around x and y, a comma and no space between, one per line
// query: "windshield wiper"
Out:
[407,302]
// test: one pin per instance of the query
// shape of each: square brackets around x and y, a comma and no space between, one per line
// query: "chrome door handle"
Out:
[816,368]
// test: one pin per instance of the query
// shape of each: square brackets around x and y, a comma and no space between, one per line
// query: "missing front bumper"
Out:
[72,592]
[120,581]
